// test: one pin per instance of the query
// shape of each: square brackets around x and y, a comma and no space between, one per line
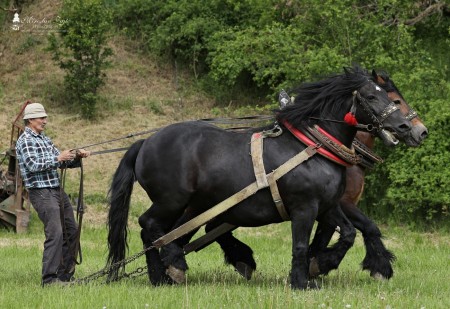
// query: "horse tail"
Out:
[119,196]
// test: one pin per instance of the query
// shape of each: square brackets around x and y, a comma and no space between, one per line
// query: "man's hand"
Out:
[67,155]
[83,153]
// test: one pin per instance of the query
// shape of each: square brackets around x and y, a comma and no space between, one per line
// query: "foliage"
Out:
[180,29]
[259,46]
[414,182]
[277,42]
[82,52]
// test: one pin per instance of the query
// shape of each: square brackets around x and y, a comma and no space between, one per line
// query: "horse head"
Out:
[419,131]
[353,101]
[372,105]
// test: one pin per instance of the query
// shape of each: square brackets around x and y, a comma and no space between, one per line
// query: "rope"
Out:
[237,120]
[121,138]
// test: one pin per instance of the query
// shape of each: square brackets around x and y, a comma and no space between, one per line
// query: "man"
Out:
[38,161]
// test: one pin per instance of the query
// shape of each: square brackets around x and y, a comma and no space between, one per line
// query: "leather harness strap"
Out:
[277,198]
[262,179]
[256,150]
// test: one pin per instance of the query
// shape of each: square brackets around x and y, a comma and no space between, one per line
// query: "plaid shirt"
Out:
[38,162]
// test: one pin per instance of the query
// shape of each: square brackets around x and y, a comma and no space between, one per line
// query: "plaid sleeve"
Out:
[35,159]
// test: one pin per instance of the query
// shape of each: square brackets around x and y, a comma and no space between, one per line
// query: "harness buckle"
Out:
[274,132]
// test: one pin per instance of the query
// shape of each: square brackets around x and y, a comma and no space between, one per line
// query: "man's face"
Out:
[38,124]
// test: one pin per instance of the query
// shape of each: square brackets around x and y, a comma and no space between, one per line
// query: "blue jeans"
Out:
[58,260]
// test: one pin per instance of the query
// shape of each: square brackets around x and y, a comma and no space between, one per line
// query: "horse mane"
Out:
[315,99]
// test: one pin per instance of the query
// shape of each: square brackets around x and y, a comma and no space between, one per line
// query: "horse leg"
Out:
[302,222]
[174,260]
[330,258]
[378,259]
[173,255]
[167,265]
[235,252]
[324,233]
[156,269]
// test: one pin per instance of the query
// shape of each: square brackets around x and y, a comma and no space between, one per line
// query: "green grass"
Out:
[421,278]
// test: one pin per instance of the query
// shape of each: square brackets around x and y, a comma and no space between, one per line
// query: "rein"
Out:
[236,120]
[76,251]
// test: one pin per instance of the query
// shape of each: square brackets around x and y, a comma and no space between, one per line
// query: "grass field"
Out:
[421,279]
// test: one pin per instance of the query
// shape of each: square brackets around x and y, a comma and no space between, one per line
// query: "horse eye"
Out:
[397,102]
[371,97]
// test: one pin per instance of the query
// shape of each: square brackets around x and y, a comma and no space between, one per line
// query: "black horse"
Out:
[193,165]
[378,260]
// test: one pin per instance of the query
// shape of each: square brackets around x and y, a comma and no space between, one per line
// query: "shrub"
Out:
[81,51]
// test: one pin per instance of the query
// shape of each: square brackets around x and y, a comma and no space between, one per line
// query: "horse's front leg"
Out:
[330,258]
[322,236]
[378,259]
[302,222]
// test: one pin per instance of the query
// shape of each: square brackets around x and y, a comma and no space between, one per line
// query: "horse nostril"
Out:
[405,127]
[424,134]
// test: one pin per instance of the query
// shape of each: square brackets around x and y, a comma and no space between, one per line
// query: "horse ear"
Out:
[378,79]
[346,71]
[374,74]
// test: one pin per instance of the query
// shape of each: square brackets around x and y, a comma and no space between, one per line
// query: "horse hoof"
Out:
[378,276]
[313,285]
[177,275]
[244,270]
[314,270]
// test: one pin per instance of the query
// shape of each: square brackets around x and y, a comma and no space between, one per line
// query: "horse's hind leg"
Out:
[149,233]
[235,252]
[330,258]
[172,254]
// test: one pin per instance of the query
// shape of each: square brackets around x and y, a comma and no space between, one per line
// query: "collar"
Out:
[368,157]
[30,131]
[320,149]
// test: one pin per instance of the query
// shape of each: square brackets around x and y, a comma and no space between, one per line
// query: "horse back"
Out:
[192,156]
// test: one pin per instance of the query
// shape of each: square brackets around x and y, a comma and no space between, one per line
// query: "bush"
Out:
[81,51]
[413,182]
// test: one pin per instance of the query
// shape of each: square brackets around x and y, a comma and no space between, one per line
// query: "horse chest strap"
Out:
[262,179]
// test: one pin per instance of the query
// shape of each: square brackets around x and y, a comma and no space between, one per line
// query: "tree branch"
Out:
[432,9]
[13,10]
